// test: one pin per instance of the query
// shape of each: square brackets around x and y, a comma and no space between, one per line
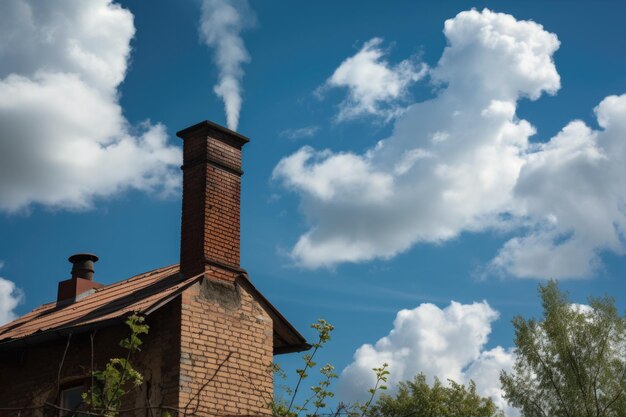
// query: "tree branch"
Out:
[67,346]
[207,382]
[554,385]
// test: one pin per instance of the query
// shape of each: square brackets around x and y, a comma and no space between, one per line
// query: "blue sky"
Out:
[462,201]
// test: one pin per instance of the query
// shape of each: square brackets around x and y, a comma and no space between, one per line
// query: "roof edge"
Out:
[61,332]
[282,326]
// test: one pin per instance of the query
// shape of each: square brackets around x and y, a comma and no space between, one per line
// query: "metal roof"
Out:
[143,294]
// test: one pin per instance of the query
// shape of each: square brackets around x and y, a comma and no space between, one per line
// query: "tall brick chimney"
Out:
[212,173]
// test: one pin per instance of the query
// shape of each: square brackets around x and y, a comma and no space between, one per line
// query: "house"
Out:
[212,333]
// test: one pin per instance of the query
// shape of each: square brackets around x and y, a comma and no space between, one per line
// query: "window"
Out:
[70,398]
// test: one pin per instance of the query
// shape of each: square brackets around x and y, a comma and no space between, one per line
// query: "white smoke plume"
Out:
[221,25]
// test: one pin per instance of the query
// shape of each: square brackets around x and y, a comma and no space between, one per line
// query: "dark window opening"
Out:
[71,400]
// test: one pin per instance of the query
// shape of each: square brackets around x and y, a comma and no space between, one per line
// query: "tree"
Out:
[572,363]
[418,399]
[414,398]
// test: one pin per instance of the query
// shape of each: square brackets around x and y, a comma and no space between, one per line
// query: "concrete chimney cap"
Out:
[78,257]
[207,127]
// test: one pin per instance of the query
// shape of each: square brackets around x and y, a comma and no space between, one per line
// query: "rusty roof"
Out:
[143,293]
[136,294]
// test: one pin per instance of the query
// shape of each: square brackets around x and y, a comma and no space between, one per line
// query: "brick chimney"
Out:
[82,281]
[210,224]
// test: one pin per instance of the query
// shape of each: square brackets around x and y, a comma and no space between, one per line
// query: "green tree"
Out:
[418,399]
[572,363]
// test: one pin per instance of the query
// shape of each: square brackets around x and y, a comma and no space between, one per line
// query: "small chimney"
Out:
[82,265]
[81,284]
[210,223]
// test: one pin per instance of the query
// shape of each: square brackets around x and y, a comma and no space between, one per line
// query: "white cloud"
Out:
[485,371]
[446,343]
[463,162]
[10,297]
[221,24]
[63,138]
[572,188]
[300,133]
[498,56]
[374,87]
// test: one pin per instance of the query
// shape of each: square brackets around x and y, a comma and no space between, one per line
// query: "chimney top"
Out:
[208,126]
[82,265]
[80,256]
[81,284]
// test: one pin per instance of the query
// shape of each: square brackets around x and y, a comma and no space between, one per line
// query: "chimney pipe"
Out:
[81,284]
[82,265]
[211,200]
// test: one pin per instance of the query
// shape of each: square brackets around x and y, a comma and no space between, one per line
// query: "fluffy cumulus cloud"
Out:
[221,24]
[63,137]
[463,162]
[374,86]
[446,343]
[572,187]
[10,297]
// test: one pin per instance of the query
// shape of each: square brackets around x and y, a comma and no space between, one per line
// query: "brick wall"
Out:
[226,351]
[210,225]
[28,376]
[207,352]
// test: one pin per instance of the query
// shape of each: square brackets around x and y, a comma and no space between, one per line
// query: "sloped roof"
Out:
[144,293]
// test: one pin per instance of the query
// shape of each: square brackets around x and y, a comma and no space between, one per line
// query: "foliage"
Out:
[119,376]
[418,399]
[316,401]
[572,363]
[320,392]
[414,398]
[381,378]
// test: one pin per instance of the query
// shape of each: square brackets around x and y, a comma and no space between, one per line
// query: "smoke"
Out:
[220,27]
